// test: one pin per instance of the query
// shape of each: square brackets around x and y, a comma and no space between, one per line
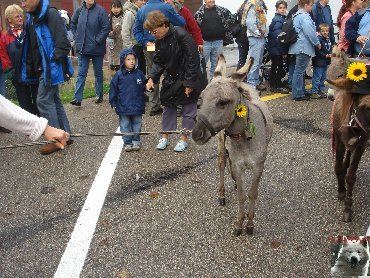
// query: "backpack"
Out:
[288,34]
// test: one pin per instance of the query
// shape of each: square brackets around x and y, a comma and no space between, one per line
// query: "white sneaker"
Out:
[162,144]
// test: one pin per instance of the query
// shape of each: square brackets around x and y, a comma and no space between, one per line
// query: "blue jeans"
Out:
[2,81]
[256,48]
[211,50]
[83,67]
[298,86]
[318,79]
[51,108]
[130,123]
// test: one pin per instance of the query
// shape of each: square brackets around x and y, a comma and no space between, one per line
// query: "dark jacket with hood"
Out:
[90,28]
[177,54]
[127,89]
[275,48]
[320,59]
[46,47]
[322,14]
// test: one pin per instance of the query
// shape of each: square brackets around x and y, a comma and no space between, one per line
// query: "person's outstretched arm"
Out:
[16,119]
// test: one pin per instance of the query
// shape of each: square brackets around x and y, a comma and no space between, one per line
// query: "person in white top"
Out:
[16,119]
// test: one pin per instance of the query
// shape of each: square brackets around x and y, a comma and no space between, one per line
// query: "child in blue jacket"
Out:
[126,96]
[321,62]
[277,50]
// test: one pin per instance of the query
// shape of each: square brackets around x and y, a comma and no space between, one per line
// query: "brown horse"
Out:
[351,129]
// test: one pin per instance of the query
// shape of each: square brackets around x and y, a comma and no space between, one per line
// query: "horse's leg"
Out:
[252,195]
[221,168]
[350,181]
[242,197]
[339,168]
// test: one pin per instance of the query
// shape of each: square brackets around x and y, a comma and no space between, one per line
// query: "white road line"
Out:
[74,256]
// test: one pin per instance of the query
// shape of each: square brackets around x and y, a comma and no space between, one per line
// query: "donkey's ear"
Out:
[242,72]
[341,83]
[221,66]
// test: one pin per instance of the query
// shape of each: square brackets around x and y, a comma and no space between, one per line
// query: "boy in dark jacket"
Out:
[321,61]
[127,97]
[276,50]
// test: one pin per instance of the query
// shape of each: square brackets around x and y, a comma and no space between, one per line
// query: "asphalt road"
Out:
[161,216]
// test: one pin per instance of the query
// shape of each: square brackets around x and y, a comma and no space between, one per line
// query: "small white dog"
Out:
[353,258]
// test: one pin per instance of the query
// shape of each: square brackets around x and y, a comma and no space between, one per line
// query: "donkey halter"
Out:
[355,124]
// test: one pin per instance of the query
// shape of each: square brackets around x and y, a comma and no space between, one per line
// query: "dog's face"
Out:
[356,254]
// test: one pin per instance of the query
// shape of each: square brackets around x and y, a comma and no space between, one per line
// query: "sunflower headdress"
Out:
[357,71]
[241,111]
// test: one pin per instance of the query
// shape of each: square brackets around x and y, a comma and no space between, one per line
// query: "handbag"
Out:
[172,91]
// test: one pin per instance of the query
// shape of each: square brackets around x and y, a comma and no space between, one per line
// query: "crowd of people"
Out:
[157,41]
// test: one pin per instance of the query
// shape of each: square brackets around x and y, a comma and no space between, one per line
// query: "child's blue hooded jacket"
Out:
[127,89]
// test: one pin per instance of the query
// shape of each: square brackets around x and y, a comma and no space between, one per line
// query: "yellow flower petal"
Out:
[357,71]
[241,111]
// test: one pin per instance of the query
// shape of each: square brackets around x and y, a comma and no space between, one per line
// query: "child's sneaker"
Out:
[136,147]
[128,148]
[162,144]
[181,146]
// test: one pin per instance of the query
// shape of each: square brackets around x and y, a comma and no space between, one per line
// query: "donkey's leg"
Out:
[221,168]
[242,197]
[350,181]
[339,168]
[252,195]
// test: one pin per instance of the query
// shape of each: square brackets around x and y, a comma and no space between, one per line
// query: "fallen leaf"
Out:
[104,242]
[275,244]
[154,194]
[123,274]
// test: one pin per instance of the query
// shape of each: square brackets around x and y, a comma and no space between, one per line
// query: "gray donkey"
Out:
[244,140]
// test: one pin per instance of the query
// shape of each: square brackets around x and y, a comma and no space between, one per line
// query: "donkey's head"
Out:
[220,98]
[338,64]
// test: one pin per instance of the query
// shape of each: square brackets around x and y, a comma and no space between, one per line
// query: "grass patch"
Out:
[67,93]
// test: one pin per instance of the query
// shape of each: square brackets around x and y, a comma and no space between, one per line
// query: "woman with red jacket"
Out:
[11,47]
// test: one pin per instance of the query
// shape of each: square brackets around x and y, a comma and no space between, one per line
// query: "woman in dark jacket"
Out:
[277,51]
[177,54]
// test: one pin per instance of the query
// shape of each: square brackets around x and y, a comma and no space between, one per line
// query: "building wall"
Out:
[68,5]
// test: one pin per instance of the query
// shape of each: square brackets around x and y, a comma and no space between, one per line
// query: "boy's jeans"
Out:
[83,67]
[211,50]
[318,79]
[130,123]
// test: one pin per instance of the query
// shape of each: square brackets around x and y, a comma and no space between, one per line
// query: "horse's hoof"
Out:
[237,232]
[222,202]
[341,195]
[347,216]
[249,230]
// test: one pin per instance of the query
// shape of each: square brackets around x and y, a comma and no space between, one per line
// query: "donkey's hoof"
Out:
[237,232]
[249,231]
[347,216]
[222,202]
[341,195]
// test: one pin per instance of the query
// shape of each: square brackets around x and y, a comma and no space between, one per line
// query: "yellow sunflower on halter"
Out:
[241,111]
[357,71]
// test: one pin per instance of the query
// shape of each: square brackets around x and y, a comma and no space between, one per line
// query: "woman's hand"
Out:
[361,39]
[149,85]
[60,136]
[188,91]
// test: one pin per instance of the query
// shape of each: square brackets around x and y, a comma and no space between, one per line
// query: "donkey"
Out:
[246,147]
[351,129]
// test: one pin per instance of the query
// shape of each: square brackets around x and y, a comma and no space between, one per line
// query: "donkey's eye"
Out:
[222,102]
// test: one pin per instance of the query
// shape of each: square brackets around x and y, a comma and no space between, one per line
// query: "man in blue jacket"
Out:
[147,41]
[90,26]
[321,13]
[45,59]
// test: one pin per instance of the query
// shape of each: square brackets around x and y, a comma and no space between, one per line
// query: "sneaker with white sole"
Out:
[136,147]
[181,146]
[128,148]
[162,144]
